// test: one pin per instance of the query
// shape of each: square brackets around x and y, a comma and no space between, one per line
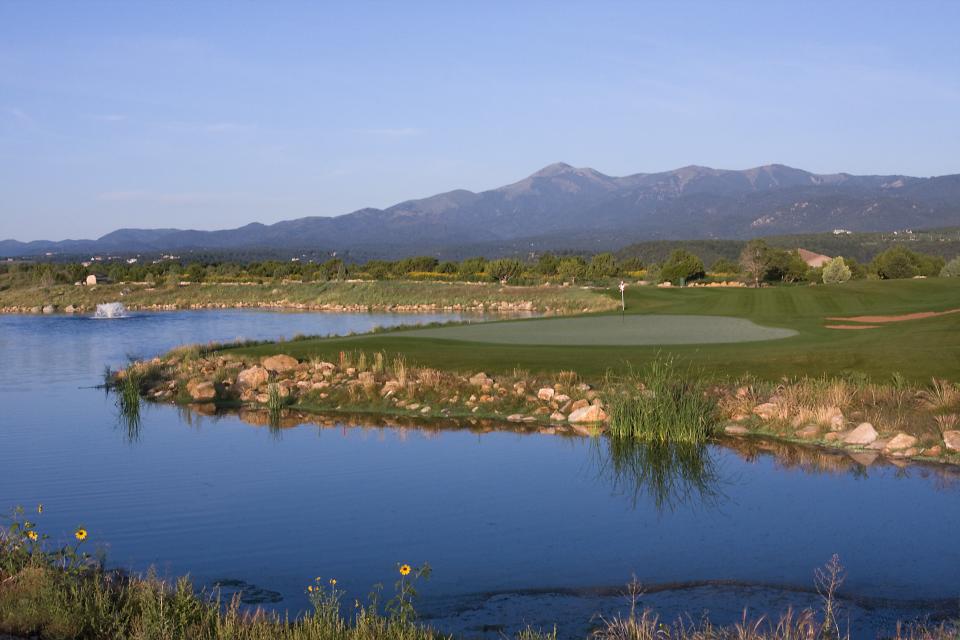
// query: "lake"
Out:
[519,527]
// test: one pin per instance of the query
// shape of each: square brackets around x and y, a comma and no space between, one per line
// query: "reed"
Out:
[665,403]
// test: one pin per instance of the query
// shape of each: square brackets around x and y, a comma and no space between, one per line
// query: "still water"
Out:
[519,527]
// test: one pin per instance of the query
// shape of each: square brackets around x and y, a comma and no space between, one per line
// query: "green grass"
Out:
[918,349]
[663,404]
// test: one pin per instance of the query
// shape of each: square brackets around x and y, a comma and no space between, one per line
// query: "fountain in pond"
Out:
[111,310]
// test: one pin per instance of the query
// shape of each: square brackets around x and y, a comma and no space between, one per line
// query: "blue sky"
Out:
[215,114]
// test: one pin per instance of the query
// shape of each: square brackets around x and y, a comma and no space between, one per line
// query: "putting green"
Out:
[609,330]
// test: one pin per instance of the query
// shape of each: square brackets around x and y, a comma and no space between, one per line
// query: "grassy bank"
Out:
[917,349]
[328,296]
[60,593]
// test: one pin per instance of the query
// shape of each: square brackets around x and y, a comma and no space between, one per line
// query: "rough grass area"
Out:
[917,349]
[353,296]
[631,330]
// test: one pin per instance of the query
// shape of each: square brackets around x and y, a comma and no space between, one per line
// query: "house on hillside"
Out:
[815,260]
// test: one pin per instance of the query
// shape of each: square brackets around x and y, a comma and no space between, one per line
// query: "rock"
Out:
[201,390]
[835,419]
[252,378]
[48,308]
[735,430]
[952,440]
[557,416]
[579,404]
[832,436]
[70,309]
[588,414]
[546,394]
[933,451]
[900,441]
[809,432]
[516,417]
[862,435]
[367,378]
[561,399]
[279,363]
[766,411]
[481,380]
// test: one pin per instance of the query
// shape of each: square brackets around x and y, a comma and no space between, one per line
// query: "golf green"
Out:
[610,330]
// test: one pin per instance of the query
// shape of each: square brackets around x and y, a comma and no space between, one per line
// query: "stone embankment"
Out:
[476,306]
[368,383]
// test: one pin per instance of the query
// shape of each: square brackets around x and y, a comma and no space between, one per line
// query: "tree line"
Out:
[759,263]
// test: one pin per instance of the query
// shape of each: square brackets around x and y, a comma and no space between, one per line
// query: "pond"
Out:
[519,527]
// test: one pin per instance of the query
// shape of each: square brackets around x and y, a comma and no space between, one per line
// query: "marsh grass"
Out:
[666,402]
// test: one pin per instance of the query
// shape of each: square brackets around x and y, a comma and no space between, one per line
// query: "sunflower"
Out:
[32,535]
[404,569]
[80,534]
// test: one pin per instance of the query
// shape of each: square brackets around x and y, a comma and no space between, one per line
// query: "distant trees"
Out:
[722,265]
[504,269]
[681,266]
[602,265]
[899,262]
[836,271]
[951,269]
[754,260]
[572,268]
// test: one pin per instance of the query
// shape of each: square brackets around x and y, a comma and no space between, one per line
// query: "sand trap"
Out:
[852,326]
[609,330]
[901,318]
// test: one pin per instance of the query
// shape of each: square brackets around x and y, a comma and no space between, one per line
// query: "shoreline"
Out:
[808,413]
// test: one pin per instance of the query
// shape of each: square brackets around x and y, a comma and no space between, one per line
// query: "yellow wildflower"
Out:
[404,569]
[333,582]
[32,535]
[80,534]
[310,588]
[39,508]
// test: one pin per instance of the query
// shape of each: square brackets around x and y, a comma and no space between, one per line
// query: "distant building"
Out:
[841,232]
[812,259]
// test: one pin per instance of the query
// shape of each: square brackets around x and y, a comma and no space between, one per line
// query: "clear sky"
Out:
[215,114]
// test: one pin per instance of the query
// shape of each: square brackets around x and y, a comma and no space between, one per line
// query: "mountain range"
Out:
[563,207]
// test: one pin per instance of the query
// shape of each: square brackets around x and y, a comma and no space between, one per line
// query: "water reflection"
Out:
[670,475]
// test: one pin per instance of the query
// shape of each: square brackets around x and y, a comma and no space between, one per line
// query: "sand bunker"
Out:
[852,326]
[609,330]
[901,318]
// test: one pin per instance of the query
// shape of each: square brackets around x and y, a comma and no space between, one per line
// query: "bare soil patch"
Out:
[901,318]
[852,326]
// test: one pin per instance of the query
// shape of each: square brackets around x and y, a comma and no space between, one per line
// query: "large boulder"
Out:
[279,363]
[546,393]
[862,435]
[901,441]
[952,440]
[589,414]
[252,378]
[201,390]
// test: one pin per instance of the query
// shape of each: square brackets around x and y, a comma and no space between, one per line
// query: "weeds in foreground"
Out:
[665,403]
[61,593]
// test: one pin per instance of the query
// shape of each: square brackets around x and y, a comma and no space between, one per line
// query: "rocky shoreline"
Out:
[359,382]
[479,307]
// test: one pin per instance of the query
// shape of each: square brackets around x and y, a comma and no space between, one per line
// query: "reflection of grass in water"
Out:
[671,474]
[275,404]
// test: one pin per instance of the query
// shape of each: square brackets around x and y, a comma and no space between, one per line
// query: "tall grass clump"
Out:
[666,402]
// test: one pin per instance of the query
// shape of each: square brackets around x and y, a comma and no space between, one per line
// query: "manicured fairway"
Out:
[610,330]
[918,349]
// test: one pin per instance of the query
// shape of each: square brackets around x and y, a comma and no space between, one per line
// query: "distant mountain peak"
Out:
[555,169]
